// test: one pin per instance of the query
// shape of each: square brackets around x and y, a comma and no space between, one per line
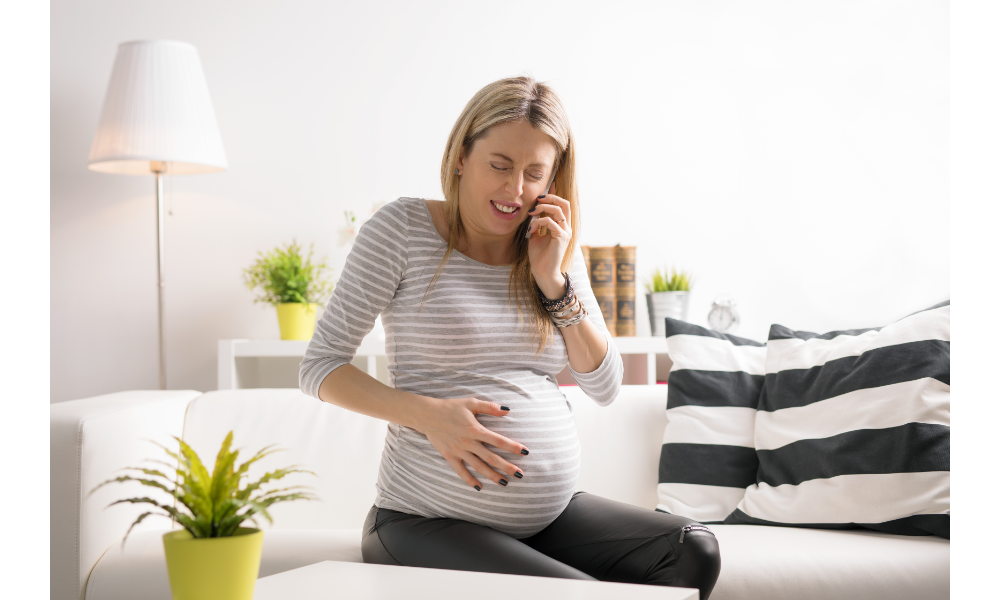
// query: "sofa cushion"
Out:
[783,563]
[707,458]
[853,429]
[766,563]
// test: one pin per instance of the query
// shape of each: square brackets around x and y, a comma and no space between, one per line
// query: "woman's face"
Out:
[509,167]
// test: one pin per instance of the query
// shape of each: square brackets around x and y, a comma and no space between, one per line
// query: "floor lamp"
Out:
[157,119]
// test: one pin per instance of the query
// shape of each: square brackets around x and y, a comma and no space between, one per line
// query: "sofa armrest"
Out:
[90,441]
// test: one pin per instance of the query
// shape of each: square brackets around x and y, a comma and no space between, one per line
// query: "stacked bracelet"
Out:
[566,311]
[561,303]
[567,305]
[578,317]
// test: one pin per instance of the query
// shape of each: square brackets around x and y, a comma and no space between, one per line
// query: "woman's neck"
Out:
[487,249]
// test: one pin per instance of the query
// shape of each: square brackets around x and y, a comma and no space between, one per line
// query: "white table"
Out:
[359,581]
[373,346]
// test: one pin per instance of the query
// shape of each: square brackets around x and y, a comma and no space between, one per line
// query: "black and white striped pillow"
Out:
[707,460]
[853,429]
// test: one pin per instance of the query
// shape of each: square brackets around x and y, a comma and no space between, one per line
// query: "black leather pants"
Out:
[593,538]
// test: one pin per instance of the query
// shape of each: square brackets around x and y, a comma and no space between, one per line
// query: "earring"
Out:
[456,171]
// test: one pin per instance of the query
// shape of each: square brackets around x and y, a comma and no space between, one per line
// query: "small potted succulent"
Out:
[213,556]
[667,296]
[293,285]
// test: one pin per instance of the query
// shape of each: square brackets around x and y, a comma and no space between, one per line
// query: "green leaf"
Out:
[273,475]
[224,480]
[181,517]
[137,521]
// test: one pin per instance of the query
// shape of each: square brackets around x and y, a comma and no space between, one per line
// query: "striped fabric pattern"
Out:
[853,429]
[708,459]
[465,341]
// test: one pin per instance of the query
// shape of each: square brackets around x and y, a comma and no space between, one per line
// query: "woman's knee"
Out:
[698,561]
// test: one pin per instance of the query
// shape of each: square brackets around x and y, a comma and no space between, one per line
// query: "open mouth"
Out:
[505,212]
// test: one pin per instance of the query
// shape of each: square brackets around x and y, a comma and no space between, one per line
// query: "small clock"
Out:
[723,316]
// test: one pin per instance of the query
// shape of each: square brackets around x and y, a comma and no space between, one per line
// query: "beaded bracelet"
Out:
[560,303]
[568,310]
[578,317]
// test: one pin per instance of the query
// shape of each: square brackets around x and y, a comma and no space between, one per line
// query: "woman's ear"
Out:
[460,166]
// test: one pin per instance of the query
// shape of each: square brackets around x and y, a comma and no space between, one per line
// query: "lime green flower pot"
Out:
[222,568]
[296,320]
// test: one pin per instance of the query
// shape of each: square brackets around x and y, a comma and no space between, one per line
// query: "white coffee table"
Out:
[332,579]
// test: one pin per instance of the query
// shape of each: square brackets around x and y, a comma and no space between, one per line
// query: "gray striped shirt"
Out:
[465,341]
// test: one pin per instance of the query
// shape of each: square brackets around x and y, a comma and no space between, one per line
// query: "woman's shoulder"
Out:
[396,216]
[425,219]
[417,210]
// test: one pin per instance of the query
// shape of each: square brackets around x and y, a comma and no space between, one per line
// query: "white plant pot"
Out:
[666,304]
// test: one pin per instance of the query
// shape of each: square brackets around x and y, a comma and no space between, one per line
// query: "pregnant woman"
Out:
[485,298]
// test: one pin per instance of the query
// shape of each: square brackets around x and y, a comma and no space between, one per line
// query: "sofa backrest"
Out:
[620,447]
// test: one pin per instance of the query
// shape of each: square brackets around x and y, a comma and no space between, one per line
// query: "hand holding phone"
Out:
[543,230]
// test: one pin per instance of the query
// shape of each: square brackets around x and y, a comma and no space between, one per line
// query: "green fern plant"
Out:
[674,282]
[212,500]
[283,276]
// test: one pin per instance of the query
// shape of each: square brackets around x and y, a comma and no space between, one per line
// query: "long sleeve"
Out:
[603,383]
[372,272]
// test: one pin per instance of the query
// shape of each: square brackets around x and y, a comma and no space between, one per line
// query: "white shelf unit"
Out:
[373,346]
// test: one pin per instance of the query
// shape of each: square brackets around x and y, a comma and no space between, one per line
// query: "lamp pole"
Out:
[158,168]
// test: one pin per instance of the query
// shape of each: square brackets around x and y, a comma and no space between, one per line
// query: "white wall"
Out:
[791,154]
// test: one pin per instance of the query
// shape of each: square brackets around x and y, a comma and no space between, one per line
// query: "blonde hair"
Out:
[503,101]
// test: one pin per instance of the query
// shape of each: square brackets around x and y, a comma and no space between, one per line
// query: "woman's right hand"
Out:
[451,427]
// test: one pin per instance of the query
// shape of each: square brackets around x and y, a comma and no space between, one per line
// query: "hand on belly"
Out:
[451,427]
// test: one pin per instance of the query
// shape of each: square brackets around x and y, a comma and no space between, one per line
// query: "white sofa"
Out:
[94,437]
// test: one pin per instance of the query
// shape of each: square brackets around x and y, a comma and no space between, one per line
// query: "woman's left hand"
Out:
[545,252]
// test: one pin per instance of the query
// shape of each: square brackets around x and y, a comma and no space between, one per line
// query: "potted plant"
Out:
[213,556]
[292,285]
[667,297]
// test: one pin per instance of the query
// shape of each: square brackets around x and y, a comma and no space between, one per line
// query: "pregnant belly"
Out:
[415,478]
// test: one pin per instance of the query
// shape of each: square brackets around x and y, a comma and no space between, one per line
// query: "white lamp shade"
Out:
[157,110]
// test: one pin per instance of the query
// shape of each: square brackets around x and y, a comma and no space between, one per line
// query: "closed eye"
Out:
[502,169]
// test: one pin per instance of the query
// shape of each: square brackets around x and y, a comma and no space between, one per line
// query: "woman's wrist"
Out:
[423,413]
[565,310]
[552,287]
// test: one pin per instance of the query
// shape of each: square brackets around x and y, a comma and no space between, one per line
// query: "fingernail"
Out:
[524,451]
[478,489]
[519,475]
[504,408]
[503,482]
